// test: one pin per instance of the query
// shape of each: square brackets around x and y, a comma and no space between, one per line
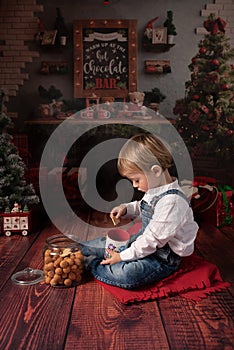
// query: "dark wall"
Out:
[186,18]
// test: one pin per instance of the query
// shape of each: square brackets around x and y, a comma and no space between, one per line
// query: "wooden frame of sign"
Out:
[105,58]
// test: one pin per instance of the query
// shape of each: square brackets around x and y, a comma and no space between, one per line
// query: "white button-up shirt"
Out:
[172,223]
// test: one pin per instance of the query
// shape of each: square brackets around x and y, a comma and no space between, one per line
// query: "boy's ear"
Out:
[157,170]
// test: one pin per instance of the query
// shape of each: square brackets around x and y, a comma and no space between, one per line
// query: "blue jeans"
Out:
[137,273]
[129,274]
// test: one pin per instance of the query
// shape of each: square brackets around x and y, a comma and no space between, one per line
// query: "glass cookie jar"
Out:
[63,262]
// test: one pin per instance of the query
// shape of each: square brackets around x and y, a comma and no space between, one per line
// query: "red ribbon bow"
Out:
[215,25]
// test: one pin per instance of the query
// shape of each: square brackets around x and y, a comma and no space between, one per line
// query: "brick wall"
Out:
[223,9]
[18,25]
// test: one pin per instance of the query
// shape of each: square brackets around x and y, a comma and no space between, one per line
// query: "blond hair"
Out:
[141,152]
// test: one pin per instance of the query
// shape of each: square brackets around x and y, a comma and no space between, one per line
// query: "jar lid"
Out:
[28,276]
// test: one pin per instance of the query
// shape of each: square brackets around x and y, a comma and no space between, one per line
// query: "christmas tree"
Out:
[13,187]
[206,113]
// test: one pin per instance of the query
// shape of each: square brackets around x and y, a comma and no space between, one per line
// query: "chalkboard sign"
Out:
[105,58]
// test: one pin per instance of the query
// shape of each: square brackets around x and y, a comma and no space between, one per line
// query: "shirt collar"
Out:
[158,190]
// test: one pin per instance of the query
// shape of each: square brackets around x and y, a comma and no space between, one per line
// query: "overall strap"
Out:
[172,191]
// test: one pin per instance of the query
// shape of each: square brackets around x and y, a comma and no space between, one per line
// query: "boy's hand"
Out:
[117,212]
[115,258]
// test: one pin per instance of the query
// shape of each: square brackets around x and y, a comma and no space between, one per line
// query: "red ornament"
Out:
[202,50]
[224,87]
[215,62]
[229,132]
[196,97]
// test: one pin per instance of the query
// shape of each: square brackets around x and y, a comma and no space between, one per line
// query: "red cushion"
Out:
[195,279]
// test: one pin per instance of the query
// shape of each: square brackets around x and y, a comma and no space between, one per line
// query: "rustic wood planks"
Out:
[40,317]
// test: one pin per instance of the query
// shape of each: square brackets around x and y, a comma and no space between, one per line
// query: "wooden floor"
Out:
[88,317]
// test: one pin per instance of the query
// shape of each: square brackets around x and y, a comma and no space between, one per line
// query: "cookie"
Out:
[115,221]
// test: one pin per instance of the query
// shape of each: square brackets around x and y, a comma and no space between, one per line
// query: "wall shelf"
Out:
[148,46]
[49,121]
[157,66]
[48,67]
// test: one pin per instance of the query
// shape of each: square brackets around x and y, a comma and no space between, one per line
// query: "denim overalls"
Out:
[136,273]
